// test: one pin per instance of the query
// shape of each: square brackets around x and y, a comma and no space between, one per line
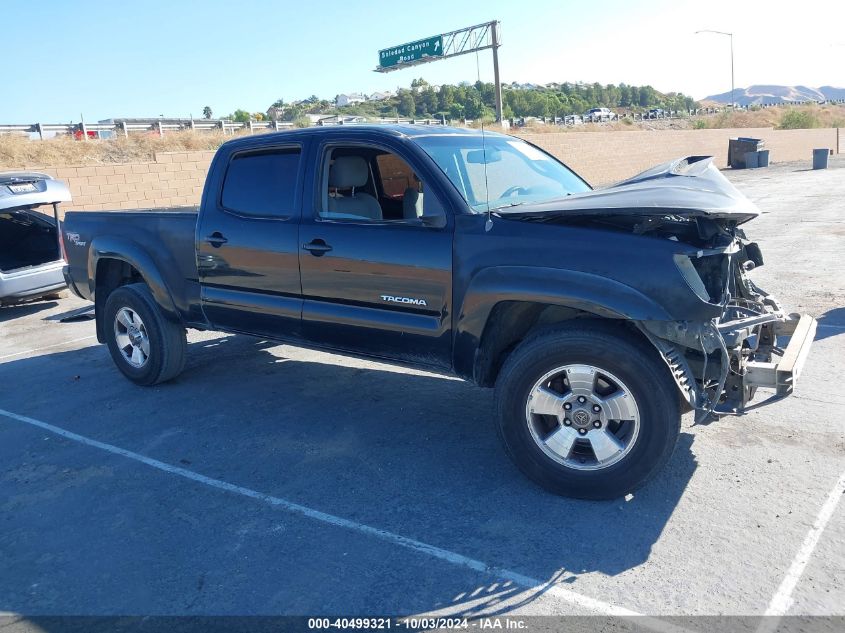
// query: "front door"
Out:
[376,258]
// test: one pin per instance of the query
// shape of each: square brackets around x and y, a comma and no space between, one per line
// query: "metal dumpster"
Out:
[739,147]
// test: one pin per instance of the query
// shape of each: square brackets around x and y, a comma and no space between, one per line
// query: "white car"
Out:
[599,114]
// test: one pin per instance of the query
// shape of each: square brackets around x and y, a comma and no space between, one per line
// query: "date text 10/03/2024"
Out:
[416,624]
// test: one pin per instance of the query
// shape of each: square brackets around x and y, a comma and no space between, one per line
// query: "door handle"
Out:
[317,247]
[216,239]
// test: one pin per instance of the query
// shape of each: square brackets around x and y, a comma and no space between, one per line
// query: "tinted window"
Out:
[262,183]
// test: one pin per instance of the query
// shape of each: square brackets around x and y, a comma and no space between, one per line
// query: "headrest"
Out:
[347,172]
[412,204]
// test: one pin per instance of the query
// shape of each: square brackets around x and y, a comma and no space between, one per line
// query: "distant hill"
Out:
[764,94]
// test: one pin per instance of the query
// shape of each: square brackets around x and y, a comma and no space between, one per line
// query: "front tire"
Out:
[147,347]
[587,410]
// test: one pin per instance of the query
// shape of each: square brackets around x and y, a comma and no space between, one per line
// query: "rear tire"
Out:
[147,347]
[587,410]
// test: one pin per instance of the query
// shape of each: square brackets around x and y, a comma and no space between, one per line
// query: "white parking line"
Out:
[591,604]
[38,349]
[782,599]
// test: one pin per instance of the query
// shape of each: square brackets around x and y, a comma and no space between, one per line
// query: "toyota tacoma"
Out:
[599,315]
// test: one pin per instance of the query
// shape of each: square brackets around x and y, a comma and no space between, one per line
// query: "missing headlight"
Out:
[706,275]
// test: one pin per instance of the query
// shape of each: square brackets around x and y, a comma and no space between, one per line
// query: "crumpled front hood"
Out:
[691,187]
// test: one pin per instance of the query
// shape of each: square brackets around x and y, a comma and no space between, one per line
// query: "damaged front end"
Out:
[731,344]
[719,364]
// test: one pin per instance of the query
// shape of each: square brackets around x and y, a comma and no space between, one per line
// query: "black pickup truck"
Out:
[600,316]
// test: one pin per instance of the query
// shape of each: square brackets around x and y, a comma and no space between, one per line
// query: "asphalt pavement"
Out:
[271,480]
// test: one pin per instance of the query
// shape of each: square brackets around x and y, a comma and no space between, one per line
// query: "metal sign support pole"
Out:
[497,84]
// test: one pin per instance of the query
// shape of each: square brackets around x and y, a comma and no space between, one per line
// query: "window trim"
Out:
[269,149]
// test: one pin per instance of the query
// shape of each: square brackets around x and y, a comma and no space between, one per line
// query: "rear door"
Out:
[378,286]
[247,241]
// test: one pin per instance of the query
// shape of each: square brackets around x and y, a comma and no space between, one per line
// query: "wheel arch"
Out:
[504,305]
[114,262]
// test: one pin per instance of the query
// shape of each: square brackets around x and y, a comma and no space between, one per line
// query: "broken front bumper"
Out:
[719,365]
[782,374]
[753,359]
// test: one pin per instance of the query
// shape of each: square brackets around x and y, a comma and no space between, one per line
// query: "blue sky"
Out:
[151,57]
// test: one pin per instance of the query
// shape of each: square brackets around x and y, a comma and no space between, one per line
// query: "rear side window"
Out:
[262,183]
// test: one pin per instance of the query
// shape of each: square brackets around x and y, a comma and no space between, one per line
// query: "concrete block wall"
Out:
[606,157]
[177,178]
[172,179]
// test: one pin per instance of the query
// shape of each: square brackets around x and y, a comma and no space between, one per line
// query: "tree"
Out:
[241,116]
[429,100]
[406,105]
[624,96]
[293,111]
[456,111]
[476,100]
[647,96]
[207,113]
[474,108]
[446,97]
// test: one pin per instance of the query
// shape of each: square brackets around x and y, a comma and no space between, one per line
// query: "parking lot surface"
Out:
[268,479]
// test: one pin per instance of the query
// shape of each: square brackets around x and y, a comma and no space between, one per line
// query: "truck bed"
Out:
[167,236]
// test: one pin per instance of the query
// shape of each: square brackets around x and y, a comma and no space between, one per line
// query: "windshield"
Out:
[516,172]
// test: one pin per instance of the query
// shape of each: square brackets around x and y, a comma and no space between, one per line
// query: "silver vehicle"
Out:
[30,253]
[599,114]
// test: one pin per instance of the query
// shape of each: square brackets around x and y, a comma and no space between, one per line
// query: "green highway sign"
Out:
[412,51]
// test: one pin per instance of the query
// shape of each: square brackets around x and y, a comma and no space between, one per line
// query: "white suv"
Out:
[599,114]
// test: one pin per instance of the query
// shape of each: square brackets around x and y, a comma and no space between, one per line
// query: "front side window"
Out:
[369,184]
[497,171]
[262,183]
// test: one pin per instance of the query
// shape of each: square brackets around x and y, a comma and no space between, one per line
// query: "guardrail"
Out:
[96,130]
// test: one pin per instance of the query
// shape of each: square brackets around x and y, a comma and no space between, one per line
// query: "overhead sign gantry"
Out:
[431,49]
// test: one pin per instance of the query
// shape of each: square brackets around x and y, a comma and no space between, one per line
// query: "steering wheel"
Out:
[507,193]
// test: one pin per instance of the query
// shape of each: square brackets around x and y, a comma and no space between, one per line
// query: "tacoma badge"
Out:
[410,300]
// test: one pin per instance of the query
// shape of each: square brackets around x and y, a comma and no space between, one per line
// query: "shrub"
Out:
[798,119]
